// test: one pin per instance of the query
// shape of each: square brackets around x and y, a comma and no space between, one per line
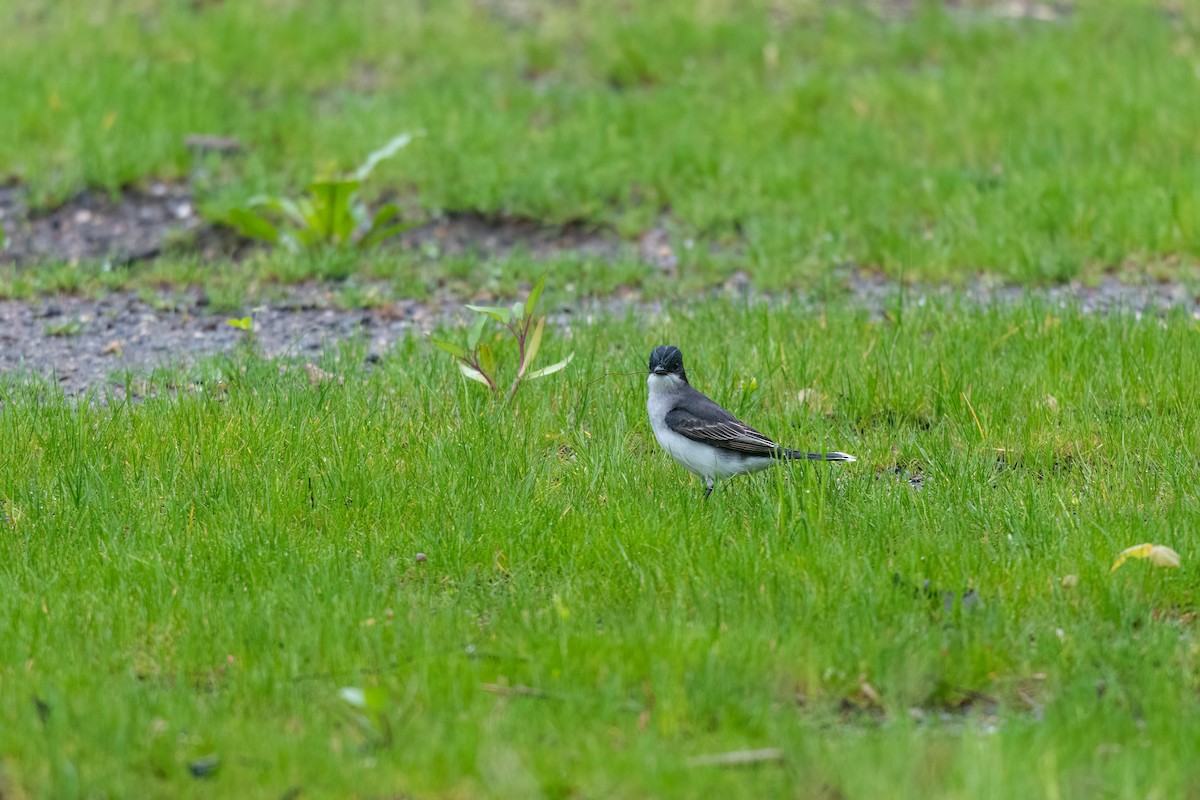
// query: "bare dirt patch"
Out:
[93,226]
[143,223]
[474,234]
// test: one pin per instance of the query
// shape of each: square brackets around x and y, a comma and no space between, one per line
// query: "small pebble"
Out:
[205,766]
[420,558]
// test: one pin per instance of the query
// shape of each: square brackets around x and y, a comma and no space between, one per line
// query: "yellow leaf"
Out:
[1163,556]
[1137,551]
[1159,555]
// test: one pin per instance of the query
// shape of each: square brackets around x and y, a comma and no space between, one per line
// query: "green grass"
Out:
[360,279]
[202,572]
[932,144]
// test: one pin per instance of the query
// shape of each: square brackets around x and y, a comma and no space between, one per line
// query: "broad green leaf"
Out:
[473,374]
[376,235]
[250,224]
[308,214]
[1158,554]
[345,221]
[495,312]
[476,332]
[387,151]
[553,368]
[379,228]
[487,360]
[333,187]
[243,324]
[535,294]
[449,347]
[331,201]
[318,210]
[532,344]
[386,213]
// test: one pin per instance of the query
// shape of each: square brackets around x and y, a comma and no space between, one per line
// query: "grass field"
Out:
[201,574]
[257,584]
[795,136]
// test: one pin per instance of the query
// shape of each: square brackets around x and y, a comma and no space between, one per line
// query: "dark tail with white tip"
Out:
[801,455]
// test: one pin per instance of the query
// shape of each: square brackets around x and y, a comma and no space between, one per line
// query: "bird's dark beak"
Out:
[659,370]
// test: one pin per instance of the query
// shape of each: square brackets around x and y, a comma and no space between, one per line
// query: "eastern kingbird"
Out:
[704,438]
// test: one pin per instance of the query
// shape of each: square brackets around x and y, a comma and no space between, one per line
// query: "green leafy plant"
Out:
[478,361]
[330,214]
[248,326]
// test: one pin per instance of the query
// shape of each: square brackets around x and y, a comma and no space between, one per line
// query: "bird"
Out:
[701,436]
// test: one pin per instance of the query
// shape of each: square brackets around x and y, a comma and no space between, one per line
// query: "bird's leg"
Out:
[708,487]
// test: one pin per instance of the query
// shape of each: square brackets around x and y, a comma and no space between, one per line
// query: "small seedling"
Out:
[330,214]
[478,361]
[246,325]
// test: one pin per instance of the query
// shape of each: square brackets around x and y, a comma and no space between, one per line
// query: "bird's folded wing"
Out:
[730,433]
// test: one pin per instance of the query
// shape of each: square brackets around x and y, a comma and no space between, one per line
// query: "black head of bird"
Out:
[666,359]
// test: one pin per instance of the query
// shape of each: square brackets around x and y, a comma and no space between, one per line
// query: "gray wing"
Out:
[702,420]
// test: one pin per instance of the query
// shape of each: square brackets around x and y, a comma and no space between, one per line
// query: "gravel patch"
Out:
[95,227]
[85,344]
